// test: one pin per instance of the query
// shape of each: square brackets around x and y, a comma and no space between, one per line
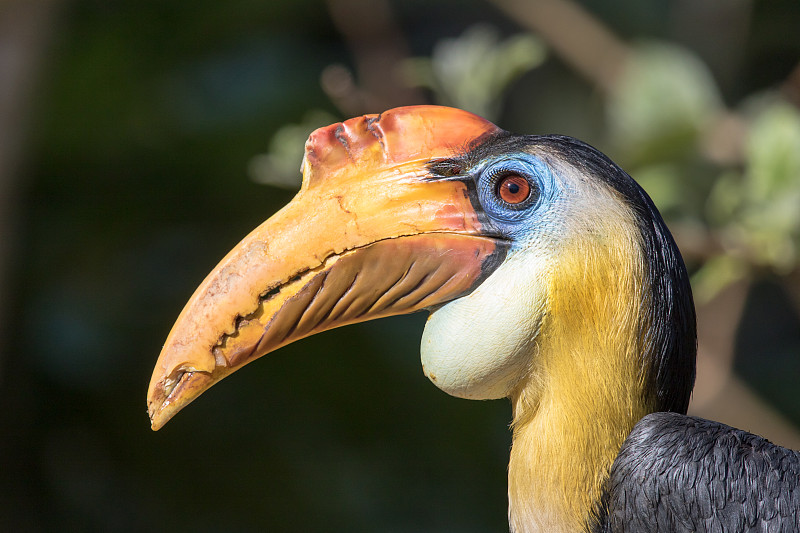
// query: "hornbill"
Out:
[551,280]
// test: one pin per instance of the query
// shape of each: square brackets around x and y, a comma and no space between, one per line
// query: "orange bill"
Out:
[369,235]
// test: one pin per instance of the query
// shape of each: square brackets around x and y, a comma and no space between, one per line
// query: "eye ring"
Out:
[509,189]
[512,189]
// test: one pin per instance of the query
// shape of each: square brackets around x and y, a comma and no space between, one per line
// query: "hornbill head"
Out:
[499,236]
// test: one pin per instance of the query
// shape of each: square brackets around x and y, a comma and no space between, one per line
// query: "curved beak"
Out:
[370,234]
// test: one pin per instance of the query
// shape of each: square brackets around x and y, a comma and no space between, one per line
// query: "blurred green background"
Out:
[140,140]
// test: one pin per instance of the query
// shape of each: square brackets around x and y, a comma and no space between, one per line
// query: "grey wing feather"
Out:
[678,473]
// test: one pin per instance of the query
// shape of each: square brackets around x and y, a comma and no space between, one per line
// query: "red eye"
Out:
[513,189]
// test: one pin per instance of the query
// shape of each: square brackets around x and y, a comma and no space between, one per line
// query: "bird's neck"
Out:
[584,392]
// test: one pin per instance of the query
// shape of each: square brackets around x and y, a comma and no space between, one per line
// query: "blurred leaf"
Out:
[472,71]
[280,166]
[716,274]
[758,210]
[773,153]
[725,198]
[662,183]
[663,100]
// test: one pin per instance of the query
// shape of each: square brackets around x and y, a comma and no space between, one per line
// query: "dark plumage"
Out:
[679,473]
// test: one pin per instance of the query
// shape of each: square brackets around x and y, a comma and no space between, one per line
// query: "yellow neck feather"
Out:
[584,392]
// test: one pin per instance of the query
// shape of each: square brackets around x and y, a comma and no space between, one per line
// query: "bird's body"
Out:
[678,473]
[552,281]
